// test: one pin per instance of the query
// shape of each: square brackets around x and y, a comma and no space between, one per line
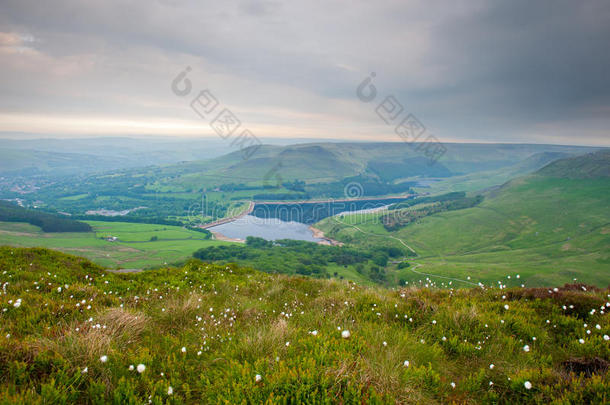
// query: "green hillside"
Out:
[325,162]
[71,332]
[552,228]
[590,166]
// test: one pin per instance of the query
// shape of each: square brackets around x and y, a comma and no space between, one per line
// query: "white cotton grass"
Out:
[131,367]
[606,337]
[527,385]
[526,348]
[345,334]
[183,350]
[258,378]
[170,390]
[141,368]
[491,366]
[406,363]
[104,358]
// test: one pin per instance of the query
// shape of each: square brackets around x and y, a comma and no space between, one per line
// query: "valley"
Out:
[484,219]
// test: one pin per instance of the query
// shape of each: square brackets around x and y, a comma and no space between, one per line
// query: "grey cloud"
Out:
[469,69]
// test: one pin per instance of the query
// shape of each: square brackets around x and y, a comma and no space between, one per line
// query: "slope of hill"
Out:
[71,332]
[590,166]
[553,228]
[334,161]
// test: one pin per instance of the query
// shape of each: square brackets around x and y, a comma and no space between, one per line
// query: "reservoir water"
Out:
[273,221]
[266,228]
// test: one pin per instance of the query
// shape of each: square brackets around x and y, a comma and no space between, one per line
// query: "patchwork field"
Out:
[132,249]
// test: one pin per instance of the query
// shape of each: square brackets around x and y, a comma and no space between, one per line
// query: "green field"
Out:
[547,230]
[133,249]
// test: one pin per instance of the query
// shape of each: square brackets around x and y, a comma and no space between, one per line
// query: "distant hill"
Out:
[327,162]
[589,166]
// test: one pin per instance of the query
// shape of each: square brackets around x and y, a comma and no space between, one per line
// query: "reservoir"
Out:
[291,220]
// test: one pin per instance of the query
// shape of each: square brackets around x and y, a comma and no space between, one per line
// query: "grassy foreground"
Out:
[72,332]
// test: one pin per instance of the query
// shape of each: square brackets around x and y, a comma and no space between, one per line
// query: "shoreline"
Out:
[221,237]
[317,233]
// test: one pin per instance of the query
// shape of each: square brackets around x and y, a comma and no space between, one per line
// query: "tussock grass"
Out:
[208,330]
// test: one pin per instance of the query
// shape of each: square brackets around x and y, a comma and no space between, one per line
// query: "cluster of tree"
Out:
[281,196]
[368,185]
[207,234]
[397,219]
[424,200]
[46,221]
[300,257]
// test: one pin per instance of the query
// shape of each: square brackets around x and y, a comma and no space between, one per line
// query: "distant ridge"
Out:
[589,166]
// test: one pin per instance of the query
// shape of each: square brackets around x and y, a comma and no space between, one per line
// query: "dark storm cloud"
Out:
[522,71]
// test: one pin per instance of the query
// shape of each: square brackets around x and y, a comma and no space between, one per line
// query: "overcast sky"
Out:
[511,71]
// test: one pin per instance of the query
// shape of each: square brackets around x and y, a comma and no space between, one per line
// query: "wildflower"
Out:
[526,348]
[258,378]
[314,332]
[85,370]
[581,341]
[170,390]
[491,366]
[141,368]
[17,303]
[183,350]
[506,307]
[345,334]
[406,363]
[444,339]
[287,344]
[452,385]
[606,337]
[385,343]
[598,327]
[104,358]
[527,385]
[131,367]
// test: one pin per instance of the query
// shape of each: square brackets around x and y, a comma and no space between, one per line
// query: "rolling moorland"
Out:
[72,332]
[552,226]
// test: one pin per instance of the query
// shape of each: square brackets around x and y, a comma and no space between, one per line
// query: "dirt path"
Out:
[376,234]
